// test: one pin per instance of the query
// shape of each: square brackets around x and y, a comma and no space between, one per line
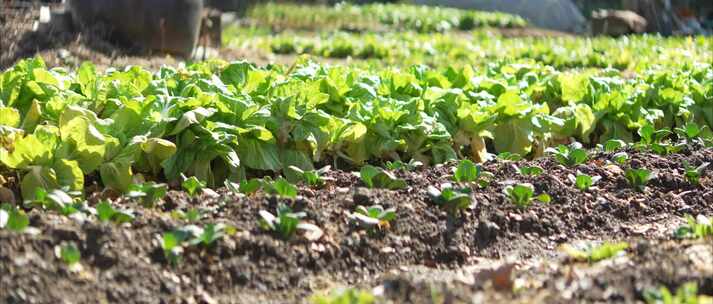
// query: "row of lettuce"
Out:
[482,48]
[377,17]
[219,121]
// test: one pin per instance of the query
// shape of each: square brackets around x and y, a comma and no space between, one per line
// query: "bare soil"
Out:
[423,253]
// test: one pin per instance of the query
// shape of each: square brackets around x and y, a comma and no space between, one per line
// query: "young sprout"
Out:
[613,145]
[686,294]
[530,170]
[374,177]
[57,200]
[583,181]
[620,158]
[69,254]
[507,156]
[173,242]
[522,195]
[595,254]
[285,224]
[690,131]
[693,174]
[451,199]
[639,178]
[698,228]
[401,166]
[374,217]
[191,215]
[13,218]
[569,156]
[107,213]
[312,178]
[281,187]
[149,193]
[469,172]
[192,185]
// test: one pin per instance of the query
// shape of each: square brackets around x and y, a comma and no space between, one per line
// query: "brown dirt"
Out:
[125,263]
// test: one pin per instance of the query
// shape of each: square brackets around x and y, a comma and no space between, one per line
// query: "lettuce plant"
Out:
[522,195]
[639,178]
[453,200]
[571,155]
[374,177]
[107,213]
[583,181]
[693,174]
[695,228]
[530,170]
[148,193]
[284,224]
[13,218]
[373,217]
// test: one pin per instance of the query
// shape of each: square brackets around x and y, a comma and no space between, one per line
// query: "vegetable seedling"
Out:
[191,215]
[507,156]
[469,172]
[285,224]
[522,195]
[695,228]
[569,156]
[149,193]
[312,178]
[530,170]
[374,177]
[69,254]
[639,178]
[192,185]
[613,145]
[686,294]
[107,213]
[373,217]
[693,174]
[690,131]
[344,296]
[173,242]
[620,158]
[451,199]
[250,186]
[583,181]
[13,218]
[399,165]
[281,187]
[57,200]
[595,254]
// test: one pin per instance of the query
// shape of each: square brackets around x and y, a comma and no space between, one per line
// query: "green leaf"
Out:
[17,220]
[466,171]
[149,192]
[374,177]
[105,211]
[283,188]
[250,186]
[69,254]
[9,117]
[638,178]
[521,194]
[531,170]
[192,185]
[69,174]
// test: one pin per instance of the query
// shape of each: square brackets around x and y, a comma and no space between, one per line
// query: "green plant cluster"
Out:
[482,48]
[373,17]
[219,122]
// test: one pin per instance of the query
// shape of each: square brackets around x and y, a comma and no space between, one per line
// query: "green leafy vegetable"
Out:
[451,199]
[285,224]
[569,155]
[107,213]
[192,185]
[530,170]
[693,174]
[374,177]
[583,181]
[522,195]
[639,178]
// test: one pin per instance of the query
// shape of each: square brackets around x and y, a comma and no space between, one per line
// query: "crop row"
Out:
[376,17]
[404,49]
[219,121]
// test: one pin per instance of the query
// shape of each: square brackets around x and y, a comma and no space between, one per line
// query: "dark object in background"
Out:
[170,26]
[617,23]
